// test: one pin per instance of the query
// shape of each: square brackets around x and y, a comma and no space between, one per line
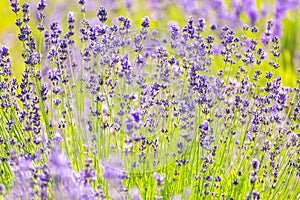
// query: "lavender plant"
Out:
[126,111]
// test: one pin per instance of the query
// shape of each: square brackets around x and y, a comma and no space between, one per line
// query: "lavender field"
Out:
[150,99]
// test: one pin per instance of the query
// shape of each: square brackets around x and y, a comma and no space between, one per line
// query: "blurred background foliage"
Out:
[161,13]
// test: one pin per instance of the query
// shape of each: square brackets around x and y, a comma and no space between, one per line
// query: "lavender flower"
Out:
[41,5]
[160,178]
[102,14]
[145,22]
[135,193]
[113,169]
[255,163]
[23,186]
[15,5]
[2,189]
[81,2]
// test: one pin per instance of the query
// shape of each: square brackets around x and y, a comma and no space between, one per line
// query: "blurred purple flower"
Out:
[113,169]
[160,178]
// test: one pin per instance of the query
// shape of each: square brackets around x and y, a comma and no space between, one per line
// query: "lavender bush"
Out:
[119,110]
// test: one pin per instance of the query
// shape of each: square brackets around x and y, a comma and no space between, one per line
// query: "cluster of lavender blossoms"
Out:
[219,12]
[127,111]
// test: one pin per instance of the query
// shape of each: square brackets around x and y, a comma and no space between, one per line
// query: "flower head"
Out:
[160,178]
[145,22]
[102,14]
